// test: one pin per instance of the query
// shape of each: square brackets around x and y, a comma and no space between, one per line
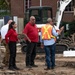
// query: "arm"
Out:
[56,33]
[42,45]
[27,37]
[8,35]
[61,29]
[25,31]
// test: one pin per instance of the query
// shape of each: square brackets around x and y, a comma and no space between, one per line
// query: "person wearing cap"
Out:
[4,31]
[48,41]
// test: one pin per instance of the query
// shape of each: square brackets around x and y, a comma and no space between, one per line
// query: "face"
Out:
[15,26]
[32,20]
[51,22]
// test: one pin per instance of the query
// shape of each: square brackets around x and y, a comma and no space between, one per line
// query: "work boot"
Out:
[16,68]
[47,68]
[34,65]
[28,66]
[11,68]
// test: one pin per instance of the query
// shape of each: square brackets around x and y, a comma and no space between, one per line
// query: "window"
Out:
[46,13]
[36,13]
[27,3]
[69,7]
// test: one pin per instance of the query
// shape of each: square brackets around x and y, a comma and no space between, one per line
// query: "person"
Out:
[1,67]
[11,39]
[4,30]
[31,33]
[48,39]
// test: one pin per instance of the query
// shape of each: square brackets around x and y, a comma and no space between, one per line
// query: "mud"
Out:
[64,66]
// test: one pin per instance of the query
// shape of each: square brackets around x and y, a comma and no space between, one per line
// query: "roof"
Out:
[40,7]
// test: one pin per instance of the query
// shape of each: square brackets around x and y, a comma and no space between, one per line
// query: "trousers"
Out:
[50,55]
[30,53]
[7,53]
[12,59]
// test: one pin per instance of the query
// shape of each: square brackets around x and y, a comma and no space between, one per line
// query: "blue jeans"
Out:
[50,55]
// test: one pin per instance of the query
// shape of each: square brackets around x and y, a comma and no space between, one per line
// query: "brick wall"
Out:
[66,17]
[52,3]
[17,8]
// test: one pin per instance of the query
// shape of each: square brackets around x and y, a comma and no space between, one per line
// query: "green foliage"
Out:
[71,28]
[4,8]
[4,13]
[3,5]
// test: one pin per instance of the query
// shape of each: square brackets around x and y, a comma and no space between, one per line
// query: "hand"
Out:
[18,40]
[62,28]
[42,46]
[29,40]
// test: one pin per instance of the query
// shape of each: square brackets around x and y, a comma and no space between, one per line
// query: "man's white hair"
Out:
[32,17]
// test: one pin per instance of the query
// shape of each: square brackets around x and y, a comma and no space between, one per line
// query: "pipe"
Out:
[40,3]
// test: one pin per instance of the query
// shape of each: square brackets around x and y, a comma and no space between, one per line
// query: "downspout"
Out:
[40,3]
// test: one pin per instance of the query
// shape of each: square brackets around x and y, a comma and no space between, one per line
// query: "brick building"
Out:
[18,7]
[68,13]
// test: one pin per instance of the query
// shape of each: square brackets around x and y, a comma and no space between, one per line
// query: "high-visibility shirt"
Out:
[47,32]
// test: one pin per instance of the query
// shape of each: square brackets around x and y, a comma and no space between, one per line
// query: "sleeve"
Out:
[7,36]
[25,31]
[54,32]
[41,37]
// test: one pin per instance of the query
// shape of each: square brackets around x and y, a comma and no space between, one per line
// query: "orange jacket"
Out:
[47,32]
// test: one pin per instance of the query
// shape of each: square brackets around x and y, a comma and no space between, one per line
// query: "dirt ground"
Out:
[64,66]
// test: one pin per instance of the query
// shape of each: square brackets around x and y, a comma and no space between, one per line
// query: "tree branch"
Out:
[8,2]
